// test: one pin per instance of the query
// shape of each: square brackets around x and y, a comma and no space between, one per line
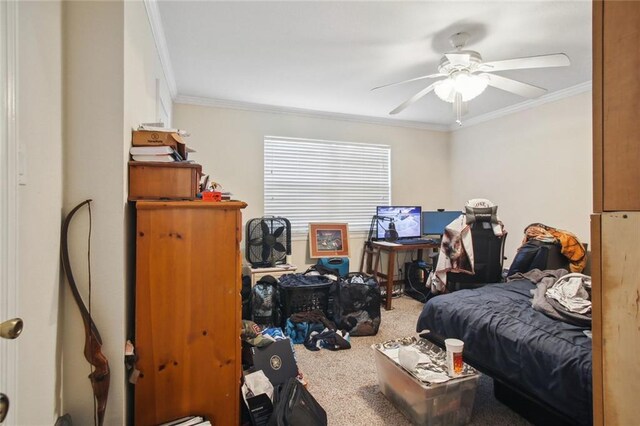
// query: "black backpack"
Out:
[265,302]
[536,254]
[356,304]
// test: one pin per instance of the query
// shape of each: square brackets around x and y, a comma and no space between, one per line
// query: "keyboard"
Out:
[410,241]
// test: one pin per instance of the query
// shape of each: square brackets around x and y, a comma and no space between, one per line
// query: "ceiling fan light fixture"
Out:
[466,76]
[445,89]
[470,85]
[463,82]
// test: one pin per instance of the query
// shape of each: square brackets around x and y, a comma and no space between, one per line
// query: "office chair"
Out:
[488,251]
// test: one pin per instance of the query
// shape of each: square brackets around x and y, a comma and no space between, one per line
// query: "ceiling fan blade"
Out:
[462,59]
[542,61]
[408,81]
[414,98]
[514,86]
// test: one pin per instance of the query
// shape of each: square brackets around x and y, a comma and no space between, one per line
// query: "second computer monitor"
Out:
[433,223]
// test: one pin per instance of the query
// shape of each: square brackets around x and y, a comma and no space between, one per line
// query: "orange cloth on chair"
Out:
[572,248]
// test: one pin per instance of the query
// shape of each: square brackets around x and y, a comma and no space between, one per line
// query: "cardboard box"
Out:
[163,181]
[151,138]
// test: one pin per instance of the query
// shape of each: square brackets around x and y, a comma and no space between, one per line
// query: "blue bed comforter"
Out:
[546,358]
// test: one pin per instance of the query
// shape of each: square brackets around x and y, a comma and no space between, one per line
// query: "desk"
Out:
[391,249]
[274,271]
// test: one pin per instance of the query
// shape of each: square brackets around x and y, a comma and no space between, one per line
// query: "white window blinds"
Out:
[322,181]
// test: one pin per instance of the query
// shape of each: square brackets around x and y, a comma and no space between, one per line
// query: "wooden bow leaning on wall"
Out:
[100,375]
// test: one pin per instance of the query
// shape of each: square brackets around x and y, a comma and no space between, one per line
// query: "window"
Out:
[322,181]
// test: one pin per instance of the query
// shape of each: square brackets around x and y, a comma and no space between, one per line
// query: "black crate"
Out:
[306,298]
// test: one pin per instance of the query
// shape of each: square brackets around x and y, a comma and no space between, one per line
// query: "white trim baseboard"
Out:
[550,97]
[155,20]
[248,106]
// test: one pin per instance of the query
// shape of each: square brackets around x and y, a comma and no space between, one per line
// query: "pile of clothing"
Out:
[561,295]
[316,331]
[570,246]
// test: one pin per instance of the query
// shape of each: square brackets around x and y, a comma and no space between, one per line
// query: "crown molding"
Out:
[248,106]
[532,103]
[153,13]
[522,106]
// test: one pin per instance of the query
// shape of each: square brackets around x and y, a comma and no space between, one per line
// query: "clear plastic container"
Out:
[445,404]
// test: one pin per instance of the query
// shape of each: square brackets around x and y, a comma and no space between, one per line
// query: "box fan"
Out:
[268,241]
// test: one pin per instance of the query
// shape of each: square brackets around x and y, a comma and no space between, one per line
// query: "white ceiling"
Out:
[326,56]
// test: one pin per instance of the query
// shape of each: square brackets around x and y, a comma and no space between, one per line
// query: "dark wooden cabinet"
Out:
[188,311]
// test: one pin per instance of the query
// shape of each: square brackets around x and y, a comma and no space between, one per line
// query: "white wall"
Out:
[145,83]
[230,148]
[95,168]
[39,121]
[534,164]
[113,81]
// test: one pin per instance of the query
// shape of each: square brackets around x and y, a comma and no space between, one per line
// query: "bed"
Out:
[545,363]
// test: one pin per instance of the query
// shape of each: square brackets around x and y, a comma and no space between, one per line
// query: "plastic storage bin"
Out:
[444,404]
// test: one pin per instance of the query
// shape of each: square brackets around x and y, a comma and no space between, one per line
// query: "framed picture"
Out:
[329,239]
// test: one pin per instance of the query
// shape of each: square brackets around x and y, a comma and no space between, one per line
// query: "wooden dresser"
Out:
[188,311]
[615,224]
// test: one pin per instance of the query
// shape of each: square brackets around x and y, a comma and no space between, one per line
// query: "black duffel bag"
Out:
[356,304]
[295,406]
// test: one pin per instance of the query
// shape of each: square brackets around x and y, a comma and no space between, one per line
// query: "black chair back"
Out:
[488,250]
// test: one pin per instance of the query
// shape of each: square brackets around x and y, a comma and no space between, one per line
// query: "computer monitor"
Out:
[406,219]
[433,223]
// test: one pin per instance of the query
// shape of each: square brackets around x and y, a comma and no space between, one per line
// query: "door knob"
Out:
[4,406]
[10,329]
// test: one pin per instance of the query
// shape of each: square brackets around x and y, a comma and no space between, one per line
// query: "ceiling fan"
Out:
[466,76]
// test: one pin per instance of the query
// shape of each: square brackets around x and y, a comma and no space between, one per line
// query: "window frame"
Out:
[360,230]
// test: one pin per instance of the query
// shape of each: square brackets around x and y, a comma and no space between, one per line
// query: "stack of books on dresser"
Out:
[161,154]
[188,421]
[153,143]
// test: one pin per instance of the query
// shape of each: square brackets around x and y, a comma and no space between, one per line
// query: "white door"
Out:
[8,205]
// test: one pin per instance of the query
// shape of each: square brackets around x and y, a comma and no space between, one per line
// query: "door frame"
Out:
[9,199]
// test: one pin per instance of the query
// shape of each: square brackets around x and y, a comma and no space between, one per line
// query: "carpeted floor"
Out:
[345,382]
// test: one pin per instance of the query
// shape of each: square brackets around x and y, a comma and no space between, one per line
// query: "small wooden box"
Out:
[163,181]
